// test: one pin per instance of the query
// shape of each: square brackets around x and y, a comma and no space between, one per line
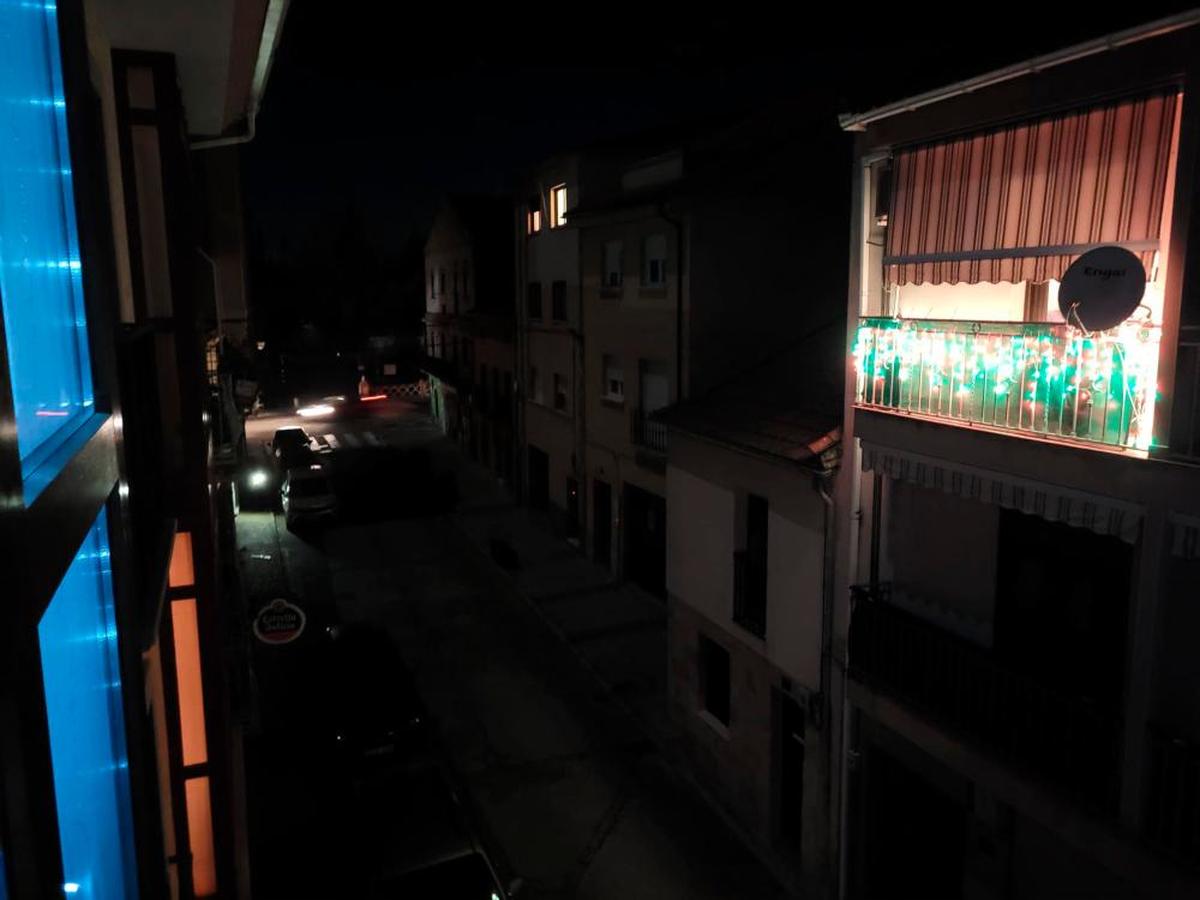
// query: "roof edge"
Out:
[1177,22]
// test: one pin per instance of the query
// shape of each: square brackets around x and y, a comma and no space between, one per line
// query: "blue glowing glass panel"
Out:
[3,881]
[41,286]
[78,638]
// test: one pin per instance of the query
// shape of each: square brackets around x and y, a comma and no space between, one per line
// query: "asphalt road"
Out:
[549,774]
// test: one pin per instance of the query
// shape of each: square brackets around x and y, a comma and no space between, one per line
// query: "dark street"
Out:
[534,762]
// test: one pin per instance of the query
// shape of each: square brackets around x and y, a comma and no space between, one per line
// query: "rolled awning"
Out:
[1020,203]
[1103,515]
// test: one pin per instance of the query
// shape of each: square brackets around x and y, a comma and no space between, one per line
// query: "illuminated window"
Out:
[182,573]
[200,835]
[558,206]
[533,216]
[77,636]
[654,260]
[41,273]
[188,680]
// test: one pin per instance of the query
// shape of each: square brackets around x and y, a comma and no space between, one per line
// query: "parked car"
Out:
[290,447]
[371,711]
[307,495]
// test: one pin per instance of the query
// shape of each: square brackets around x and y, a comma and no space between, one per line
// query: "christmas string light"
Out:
[1049,379]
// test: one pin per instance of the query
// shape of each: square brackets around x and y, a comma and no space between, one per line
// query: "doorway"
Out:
[790,747]
[914,834]
[602,522]
[539,478]
[646,540]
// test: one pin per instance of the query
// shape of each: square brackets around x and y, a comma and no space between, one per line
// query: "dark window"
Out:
[714,679]
[750,570]
[558,301]
[535,299]
[560,392]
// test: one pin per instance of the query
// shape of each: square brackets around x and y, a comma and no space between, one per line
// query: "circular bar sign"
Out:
[279,622]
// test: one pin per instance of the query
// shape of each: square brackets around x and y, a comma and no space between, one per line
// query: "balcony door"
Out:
[1062,606]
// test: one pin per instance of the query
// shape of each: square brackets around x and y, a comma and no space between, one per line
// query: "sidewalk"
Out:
[617,629]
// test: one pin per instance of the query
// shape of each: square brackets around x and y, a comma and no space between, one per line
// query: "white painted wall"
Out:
[700,536]
[704,482]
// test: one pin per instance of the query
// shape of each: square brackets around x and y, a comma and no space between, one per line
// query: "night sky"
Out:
[381,116]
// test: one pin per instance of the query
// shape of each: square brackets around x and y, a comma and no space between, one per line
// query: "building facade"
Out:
[469,353]
[689,280]
[1019,494]
[550,345]
[751,542]
[119,767]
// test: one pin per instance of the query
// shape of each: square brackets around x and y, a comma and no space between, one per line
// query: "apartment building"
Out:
[689,274]
[1019,494]
[119,713]
[751,541]
[469,327]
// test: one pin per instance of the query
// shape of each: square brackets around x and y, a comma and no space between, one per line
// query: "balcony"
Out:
[1041,379]
[749,594]
[645,432]
[1063,740]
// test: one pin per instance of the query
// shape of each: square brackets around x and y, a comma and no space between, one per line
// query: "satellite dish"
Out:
[1102,288]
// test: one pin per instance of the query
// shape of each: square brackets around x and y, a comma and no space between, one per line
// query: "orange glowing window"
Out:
[182,574]
[191,689]
[558,206]
[200,836]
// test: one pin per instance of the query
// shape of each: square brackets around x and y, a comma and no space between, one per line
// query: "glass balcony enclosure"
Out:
[1046,379]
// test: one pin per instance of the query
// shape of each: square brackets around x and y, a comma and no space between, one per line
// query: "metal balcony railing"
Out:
[1173,794]
[1013,715]
[647,433]
[749,594]
[1043,379]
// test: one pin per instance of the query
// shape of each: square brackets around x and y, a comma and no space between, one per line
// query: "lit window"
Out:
[533,216]
[81,676]
[654,260]
[186,628]
[558,206]
[182,573]
[49,368]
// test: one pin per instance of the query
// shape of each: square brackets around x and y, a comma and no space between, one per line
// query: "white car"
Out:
[307,495]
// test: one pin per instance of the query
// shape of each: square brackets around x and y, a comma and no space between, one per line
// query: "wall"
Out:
[982,302]
[703,485]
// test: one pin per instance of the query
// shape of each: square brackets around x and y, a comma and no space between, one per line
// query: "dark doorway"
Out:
[602,522]
[572,507]
[539,478]
[646,540]
[914,834]
[790,737]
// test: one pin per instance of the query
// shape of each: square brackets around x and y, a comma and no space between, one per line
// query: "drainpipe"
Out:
[678,223]
[268,43]
[821,485]
[844,774]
